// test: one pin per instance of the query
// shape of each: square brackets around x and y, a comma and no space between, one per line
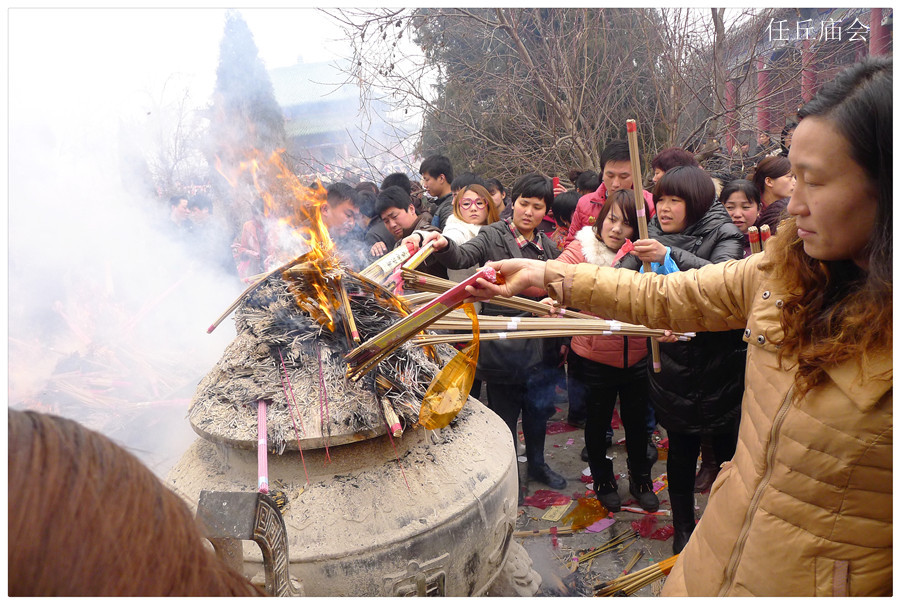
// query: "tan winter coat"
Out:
[805,506]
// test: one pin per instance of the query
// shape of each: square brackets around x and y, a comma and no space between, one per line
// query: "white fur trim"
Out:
[594,250]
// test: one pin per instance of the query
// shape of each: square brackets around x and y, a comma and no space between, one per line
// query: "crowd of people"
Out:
[782,337]
[785,391]
[803,503]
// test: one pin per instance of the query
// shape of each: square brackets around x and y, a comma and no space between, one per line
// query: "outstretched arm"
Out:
[518,275]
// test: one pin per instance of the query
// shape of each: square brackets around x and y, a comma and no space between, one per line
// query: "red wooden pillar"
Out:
[878,34]
[730,121]
[763,114]
[807,75]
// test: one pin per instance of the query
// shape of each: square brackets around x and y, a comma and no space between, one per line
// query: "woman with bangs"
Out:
[604,368]
[805,507]
[698,392]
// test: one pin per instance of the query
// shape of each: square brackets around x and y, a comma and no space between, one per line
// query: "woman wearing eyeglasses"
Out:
[472,209]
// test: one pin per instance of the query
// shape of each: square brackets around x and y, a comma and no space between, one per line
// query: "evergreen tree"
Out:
[245,119]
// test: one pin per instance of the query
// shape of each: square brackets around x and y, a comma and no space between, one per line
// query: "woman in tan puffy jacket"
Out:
[805,506]
[602,368]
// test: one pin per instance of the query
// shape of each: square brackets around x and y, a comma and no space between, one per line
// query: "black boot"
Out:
[607,493]
[543,473]
[682,519]
[641,488]
[584,455]
[709,468]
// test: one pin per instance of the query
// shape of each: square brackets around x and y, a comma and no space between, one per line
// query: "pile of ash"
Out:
[284,353]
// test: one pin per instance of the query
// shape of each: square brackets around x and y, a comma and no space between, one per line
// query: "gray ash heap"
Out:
[286,353]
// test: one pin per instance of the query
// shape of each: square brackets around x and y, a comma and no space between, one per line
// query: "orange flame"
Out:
[297,230]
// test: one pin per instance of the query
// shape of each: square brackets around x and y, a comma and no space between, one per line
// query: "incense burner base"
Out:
[429,513]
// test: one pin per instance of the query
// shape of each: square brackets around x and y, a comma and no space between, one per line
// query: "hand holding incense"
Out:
[364,357]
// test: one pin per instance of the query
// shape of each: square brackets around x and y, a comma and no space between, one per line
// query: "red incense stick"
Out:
[364,357]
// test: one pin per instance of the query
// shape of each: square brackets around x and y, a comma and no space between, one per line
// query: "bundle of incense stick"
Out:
[629,584]
[753,236]
[419,257]
[634,560]
[427,283]
[419,298]
[618,542]
[587,326]
[363,358]
[764,234]
[382,268]
[631,127]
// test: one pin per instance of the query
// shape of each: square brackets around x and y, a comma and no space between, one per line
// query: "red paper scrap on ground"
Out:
[559,428]
[645,526]
[663,533]
[544,498]
[587,479]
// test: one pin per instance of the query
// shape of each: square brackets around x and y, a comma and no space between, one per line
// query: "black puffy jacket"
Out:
[700,386]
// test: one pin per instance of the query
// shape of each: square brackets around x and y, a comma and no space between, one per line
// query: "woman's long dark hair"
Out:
[839,312]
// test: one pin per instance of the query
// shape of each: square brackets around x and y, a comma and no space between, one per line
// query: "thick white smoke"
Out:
[107,311]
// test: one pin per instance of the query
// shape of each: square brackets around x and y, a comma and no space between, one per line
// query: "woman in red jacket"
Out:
[602,368]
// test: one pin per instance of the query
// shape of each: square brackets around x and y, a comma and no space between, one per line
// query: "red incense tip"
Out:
[631,126]
[490,274]
[211,328]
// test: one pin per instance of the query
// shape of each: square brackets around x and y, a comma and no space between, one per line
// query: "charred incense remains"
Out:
[293,332]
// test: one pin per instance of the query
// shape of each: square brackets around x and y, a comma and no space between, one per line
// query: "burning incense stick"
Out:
[753,235]
[631,126]
[764,234]
[363,358]
[345,302]
[263,453]
[390,417]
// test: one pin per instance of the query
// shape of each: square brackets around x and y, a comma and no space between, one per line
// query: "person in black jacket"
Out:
[698,392]
[520,374]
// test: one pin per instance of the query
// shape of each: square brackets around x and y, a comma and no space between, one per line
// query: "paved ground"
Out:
[553,561]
